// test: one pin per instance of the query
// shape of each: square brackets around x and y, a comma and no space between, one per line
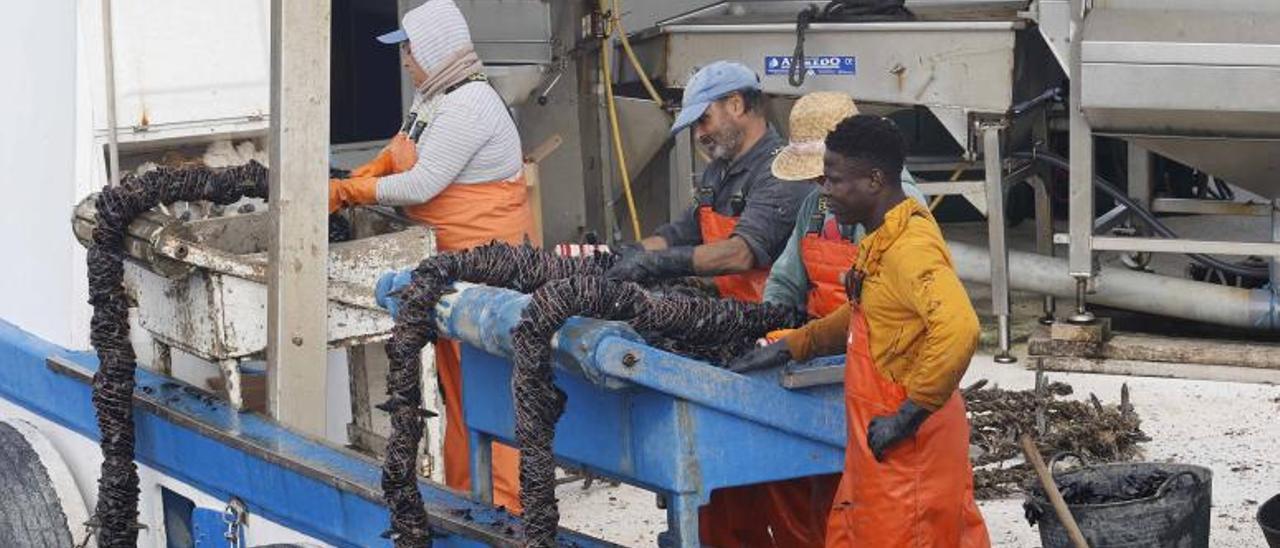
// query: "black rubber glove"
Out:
[648,266]
[886,431]
[764,357]
[626,249]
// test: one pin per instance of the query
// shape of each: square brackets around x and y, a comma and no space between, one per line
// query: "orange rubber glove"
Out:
[353,191]
[776,335]
[398,156]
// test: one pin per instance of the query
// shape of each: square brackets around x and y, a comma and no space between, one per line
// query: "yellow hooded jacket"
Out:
[923,330]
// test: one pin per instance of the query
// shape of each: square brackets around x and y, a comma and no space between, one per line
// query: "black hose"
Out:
[1224,190]
[1146,215]
[1051,95]
[838,10]
[796,73]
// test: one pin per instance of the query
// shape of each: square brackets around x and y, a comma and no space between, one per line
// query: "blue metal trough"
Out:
[673,425]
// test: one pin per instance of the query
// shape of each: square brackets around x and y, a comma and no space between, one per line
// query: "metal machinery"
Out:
[983,69]
[1184,80]
[514,40]
[200,286]
[656,420]
[1189,81]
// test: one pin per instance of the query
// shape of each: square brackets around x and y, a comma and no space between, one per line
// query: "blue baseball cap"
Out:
[393,37]
[709,84]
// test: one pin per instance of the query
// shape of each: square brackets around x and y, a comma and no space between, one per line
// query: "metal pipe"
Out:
[1125,289]
[926,26]
[1275,237]
[109,59]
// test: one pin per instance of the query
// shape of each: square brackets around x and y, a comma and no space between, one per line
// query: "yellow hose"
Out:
[616,20]
[933,204]
[607,80]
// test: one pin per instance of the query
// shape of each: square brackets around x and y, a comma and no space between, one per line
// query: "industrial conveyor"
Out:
[669,424]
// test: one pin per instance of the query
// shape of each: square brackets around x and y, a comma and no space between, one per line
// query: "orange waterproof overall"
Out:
[789,513]
[466,216]
[747,286]
[805,503]
[827,254]
[922,493]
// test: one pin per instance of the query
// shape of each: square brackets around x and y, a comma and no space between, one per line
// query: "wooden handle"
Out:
[544,149]
[1051,490]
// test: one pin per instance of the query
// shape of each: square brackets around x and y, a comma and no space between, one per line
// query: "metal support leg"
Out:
[1140,189]
[481,466]
[682,520]
[231,379]
[367,369]
[1044,237]
[162,360]
[432,400]
[993,164]
[1080,259]
[361,404]
[1041,383]
[1082,315]
[1140,183]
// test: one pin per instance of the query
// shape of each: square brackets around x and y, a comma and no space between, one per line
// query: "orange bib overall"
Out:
[922,493]
[465,216]
[788,513]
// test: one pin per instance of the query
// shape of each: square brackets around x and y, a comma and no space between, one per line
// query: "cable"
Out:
[1149,218]
[796,73]
[842,10]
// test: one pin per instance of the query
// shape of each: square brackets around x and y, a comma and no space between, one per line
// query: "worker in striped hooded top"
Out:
[463,176]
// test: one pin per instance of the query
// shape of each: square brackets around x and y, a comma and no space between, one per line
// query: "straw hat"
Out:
[812,118]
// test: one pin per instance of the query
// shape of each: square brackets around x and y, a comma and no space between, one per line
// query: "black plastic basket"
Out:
[1269,519]
[1177,515]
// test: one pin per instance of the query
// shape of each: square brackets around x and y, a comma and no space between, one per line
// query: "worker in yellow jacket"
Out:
[908,332]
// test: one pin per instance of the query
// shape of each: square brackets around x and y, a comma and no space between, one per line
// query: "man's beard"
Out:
[724,144]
